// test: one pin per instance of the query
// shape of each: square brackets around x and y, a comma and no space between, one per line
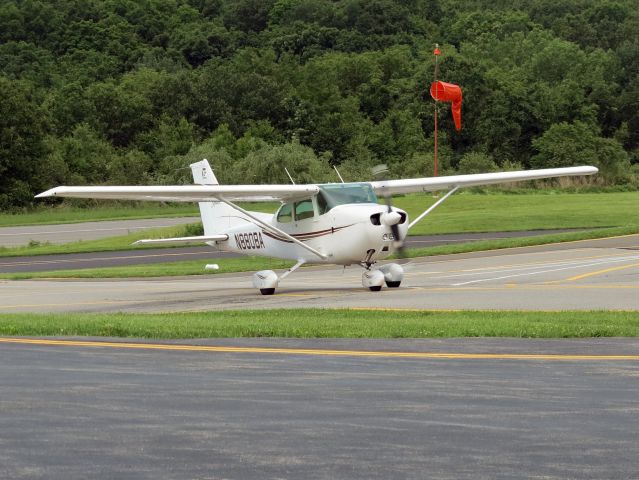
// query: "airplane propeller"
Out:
[390,218]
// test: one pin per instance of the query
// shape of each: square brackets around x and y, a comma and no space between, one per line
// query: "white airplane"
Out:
[334,223]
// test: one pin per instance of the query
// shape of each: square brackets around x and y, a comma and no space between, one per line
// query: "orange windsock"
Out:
[449,92]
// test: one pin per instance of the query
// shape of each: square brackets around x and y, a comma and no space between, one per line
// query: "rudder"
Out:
[216,216]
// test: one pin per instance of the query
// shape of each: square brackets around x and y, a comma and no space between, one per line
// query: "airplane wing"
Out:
[286,193]
[189,193]
[430,184]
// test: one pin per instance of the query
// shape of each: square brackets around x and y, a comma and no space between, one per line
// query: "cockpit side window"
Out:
[304,209]
[285,215]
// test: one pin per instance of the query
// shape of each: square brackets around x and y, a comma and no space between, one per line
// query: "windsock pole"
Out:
[436,53]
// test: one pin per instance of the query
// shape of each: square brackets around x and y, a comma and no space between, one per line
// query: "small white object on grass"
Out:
[212,266]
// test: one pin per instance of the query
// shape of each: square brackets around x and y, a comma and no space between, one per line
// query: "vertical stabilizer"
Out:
[217,217]
[203,174]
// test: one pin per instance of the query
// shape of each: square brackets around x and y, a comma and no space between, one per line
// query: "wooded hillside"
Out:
[124,91]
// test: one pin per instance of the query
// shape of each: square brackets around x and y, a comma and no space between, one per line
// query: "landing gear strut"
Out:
[267,280]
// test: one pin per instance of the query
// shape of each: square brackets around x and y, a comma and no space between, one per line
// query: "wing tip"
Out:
[49,193]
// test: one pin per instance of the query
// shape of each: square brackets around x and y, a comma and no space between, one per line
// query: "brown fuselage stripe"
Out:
[305,236]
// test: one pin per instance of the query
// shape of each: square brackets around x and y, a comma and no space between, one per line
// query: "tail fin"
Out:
[203,174]
[216,216]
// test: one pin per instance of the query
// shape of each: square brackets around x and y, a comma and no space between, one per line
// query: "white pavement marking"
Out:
[570,267]
[520,267]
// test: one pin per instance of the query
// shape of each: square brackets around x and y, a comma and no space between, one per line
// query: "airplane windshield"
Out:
[334,194]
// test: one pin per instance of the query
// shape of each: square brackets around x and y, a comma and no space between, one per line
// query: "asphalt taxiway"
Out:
[323,409]
[584,275]
[319,409]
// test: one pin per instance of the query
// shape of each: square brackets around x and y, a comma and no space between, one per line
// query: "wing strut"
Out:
[433,207]
[270,227]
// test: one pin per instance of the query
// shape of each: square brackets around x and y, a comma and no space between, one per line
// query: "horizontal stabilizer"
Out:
[199,238]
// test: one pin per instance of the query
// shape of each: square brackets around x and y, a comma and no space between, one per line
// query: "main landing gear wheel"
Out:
[266,281]
[393,274]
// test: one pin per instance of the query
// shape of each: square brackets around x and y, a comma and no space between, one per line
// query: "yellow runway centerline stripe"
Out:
[600,272]
[316,352]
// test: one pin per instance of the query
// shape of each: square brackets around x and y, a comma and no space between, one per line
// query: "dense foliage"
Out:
[130,91]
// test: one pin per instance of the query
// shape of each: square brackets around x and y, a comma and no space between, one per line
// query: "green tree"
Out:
[476,162]
[23,126]
[248,15]
[85,154]
[565,145]
[267,164]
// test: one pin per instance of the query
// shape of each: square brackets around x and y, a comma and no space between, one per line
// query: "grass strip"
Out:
[110,210]
[244,264]
[328,323]
[168,269]
[483,245]
[108,244]
[74,214]
[494,212]
[463,212]
[466,211]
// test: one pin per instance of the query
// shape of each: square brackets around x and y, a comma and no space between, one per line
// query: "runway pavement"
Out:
[86,411]
[586,275]
[324,409]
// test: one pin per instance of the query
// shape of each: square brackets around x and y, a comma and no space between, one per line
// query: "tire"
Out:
[267,291]
[376,288]
[393,284]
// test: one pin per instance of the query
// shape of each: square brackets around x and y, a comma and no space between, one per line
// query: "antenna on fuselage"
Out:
[337,171]
[289,176]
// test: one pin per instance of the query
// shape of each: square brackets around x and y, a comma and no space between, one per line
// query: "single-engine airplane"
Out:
[333,223]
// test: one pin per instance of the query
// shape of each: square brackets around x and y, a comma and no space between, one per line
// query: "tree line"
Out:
[131,91]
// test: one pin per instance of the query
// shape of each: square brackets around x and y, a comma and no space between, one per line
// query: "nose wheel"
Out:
[373,280]
[391,274]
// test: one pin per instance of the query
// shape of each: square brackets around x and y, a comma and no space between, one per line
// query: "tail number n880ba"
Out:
[249,241]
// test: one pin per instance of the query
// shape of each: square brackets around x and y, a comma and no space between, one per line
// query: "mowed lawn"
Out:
[463,212]
[495,212]
[327,323]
